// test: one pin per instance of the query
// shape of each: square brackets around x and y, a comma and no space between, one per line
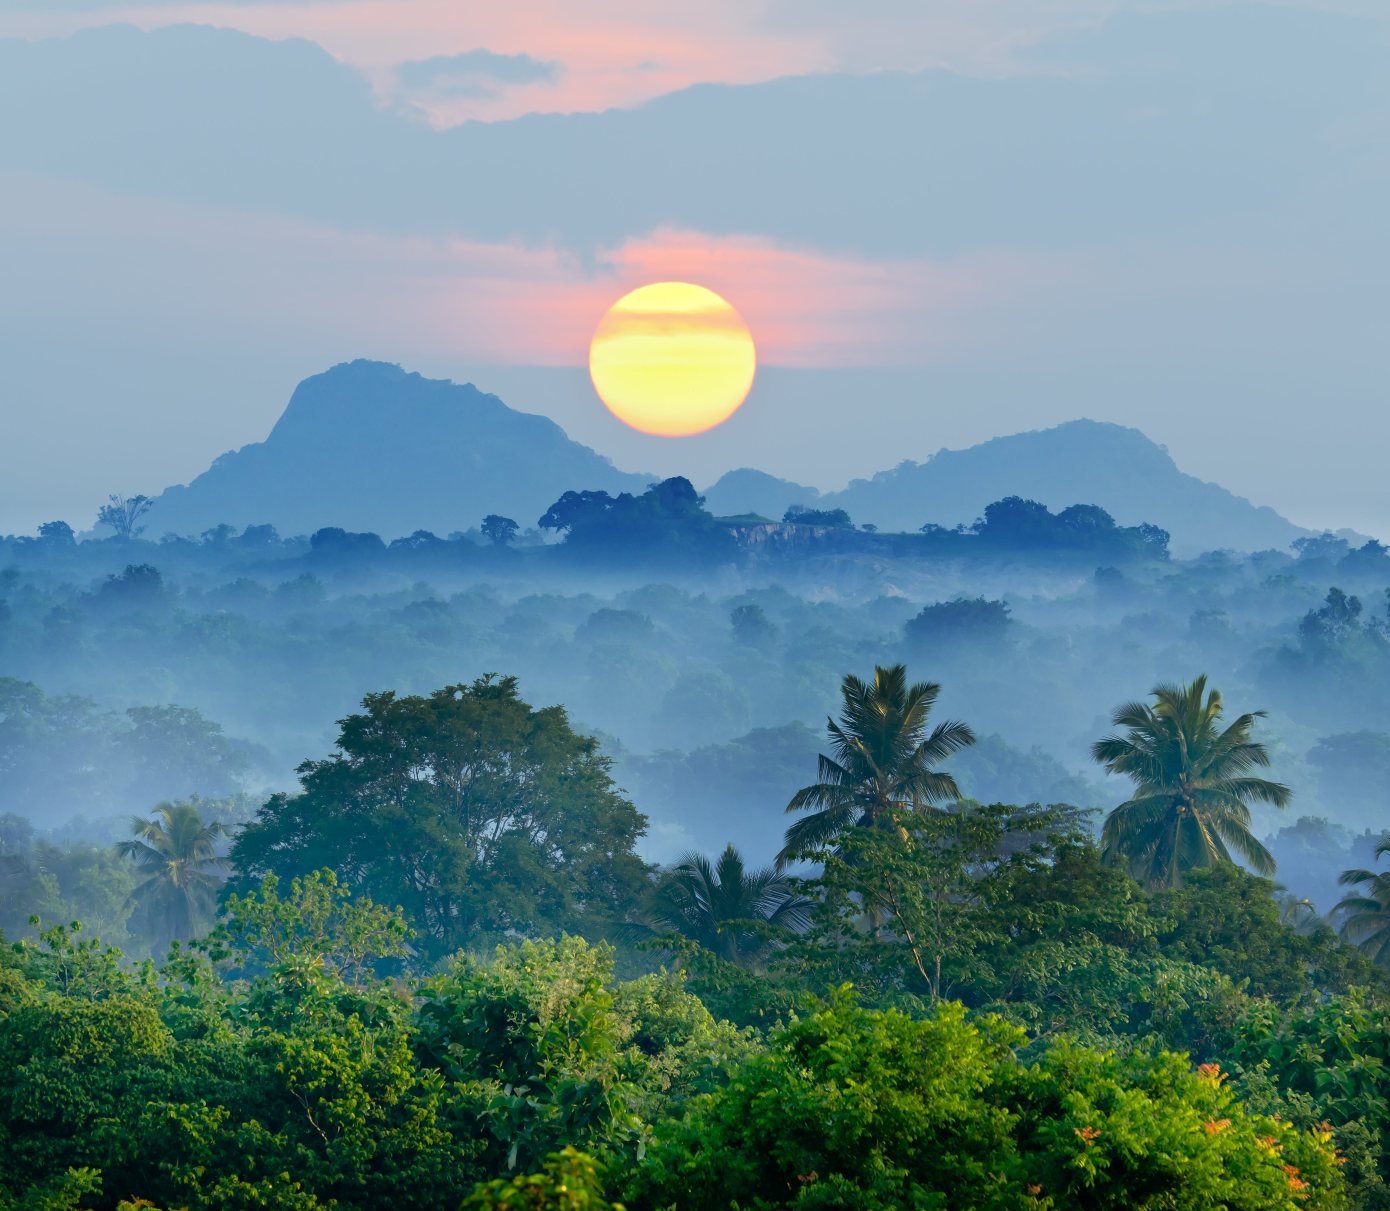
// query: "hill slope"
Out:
[368,446]
[1080,462]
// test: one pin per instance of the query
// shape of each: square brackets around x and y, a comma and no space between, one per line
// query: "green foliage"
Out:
[176,854]
[1365,911]
[906,903]
[531,1045]
[1015,1038]
[568,1181]
[1071,946]
[1193,782]
[674,1046]
[856,1108]
[883,759]
[475,813]
[735,913]
[1326,1062]
[63,753]
[319,919]
[79,881]
[1228,920]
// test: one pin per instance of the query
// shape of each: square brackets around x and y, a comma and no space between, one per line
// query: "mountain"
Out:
[750,491]
[1080,462]
[368,446]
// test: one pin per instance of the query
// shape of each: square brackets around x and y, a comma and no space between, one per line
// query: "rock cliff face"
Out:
[368,446]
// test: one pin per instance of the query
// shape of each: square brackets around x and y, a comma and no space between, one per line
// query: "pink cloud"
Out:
[257,280]
[621,52]
[615,52]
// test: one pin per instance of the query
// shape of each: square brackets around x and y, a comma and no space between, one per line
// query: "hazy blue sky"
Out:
[942,221]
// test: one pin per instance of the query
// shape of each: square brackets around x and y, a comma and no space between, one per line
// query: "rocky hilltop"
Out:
[1080,462]
[369,446]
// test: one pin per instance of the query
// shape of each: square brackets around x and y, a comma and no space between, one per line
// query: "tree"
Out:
[123,513]
[334,543]
[667,522]
[473,811]
[833,519]
[751,625]
[731,911]
[921,886]
[1193,782]
[1333,624]
[856,1108]
[1353,768]
[176,852]
[57,534]
[140,586]
[176,751]
[576,509]
[319,918]
[883,760]
[1365,912]
[962,622]
[499,530]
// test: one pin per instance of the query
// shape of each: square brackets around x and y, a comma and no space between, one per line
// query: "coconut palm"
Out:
[725,907]
[1365,913]
[176,853]
[882,760]
[1193,786]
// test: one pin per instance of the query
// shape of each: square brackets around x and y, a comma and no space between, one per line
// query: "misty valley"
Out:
[594,839]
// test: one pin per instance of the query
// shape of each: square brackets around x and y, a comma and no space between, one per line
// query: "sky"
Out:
[942,222]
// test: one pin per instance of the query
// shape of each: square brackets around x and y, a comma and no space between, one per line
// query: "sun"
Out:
[672,359]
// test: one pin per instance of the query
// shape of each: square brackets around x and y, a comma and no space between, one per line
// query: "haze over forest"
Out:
[694,606]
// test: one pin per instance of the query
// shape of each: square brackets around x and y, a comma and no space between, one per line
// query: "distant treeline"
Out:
[667,523]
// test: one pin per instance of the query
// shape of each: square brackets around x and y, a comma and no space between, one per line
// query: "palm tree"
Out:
[1193,786]
[883,760]
[1365,913]
[726,908]
[176,853]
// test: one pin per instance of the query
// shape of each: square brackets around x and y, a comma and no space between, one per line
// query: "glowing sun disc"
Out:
[672,359]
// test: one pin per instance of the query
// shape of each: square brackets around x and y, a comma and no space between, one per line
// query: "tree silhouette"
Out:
[499,530]
[123,513]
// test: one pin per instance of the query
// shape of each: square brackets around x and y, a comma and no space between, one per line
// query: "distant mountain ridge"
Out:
[369,446]
[1080,462]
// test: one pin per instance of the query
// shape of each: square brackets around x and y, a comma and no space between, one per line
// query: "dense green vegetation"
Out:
[679,943]
[441,976]
[706,681]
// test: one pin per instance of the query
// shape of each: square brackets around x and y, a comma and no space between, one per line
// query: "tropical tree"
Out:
[176,851]
[725,907]
[882,760]
[499,530]
[1365,913]
[1193,786]
[123,514]
[475,812]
